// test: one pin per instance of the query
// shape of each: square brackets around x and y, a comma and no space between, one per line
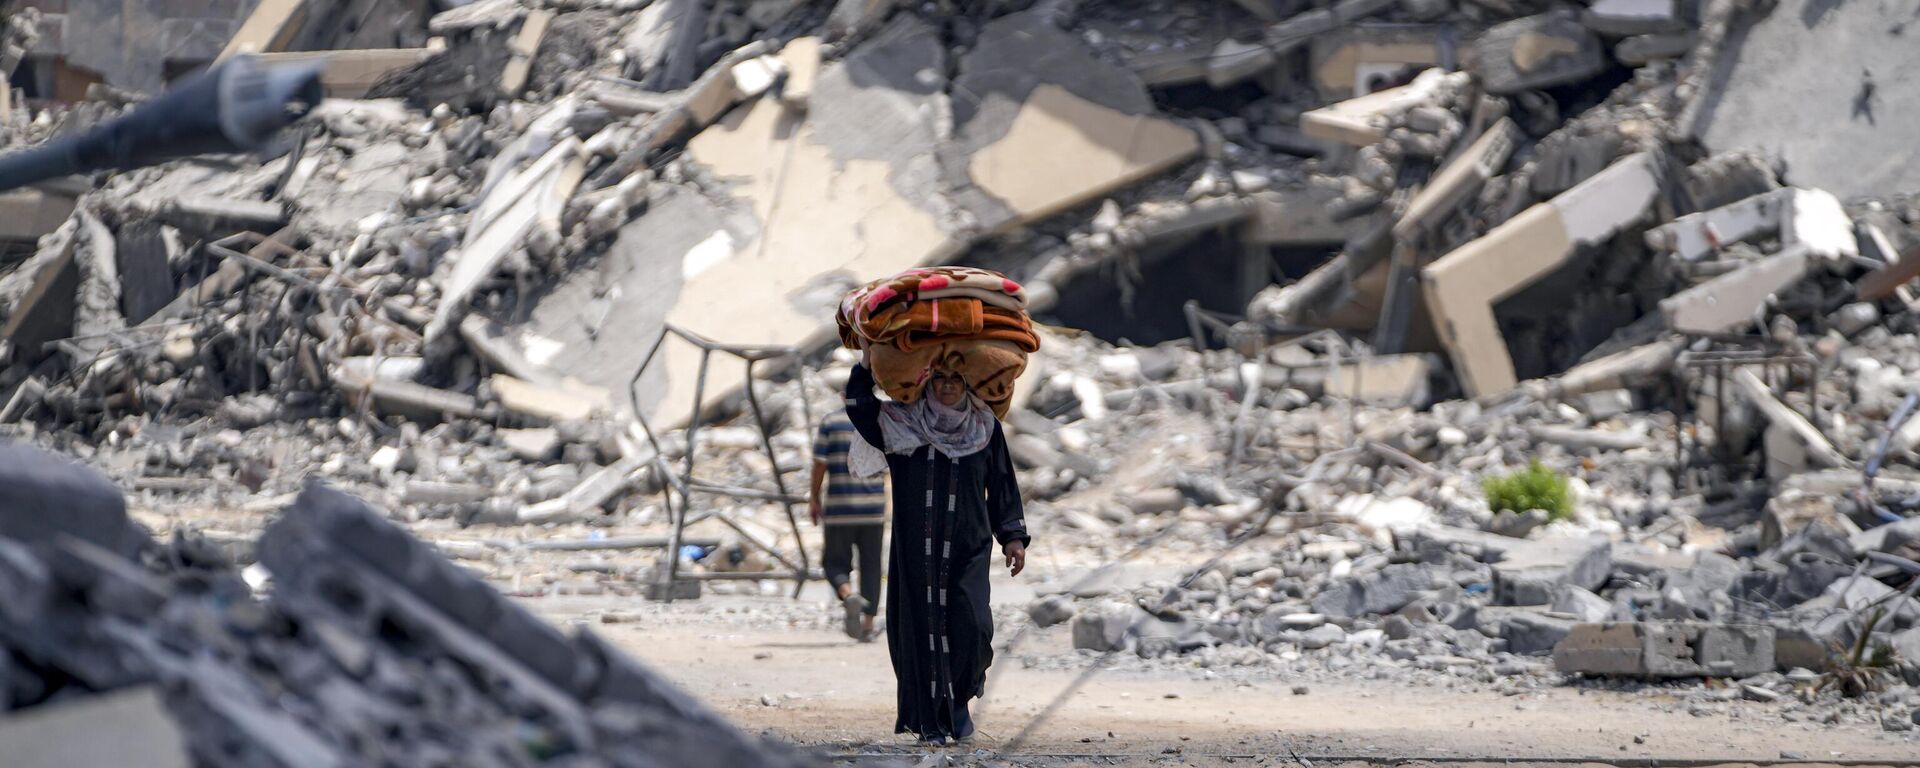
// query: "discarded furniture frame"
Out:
[1777,369]
[687,485]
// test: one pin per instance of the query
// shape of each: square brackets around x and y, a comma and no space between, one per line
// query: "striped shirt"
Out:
[849,499]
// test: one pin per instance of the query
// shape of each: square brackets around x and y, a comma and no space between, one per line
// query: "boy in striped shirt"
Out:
[854,512]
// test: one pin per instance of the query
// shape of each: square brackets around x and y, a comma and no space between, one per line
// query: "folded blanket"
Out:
[936,317]
[990,368]
[870,313]
[996,325]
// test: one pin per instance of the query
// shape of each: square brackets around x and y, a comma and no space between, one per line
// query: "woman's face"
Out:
[948,388]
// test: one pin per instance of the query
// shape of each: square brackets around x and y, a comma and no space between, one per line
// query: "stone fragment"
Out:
[1048,611]
[1581,604]
[1533,634]
[1106,626]
[1537,52]
[1533,573]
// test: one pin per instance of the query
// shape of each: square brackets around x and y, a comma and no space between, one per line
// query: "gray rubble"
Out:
[1312,275]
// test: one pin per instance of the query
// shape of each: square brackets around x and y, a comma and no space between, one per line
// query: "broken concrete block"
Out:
[1296,217]
[1234,61]
[127,727]
[1458,181]
[530,444]
[1106,627]
[48,309]
[1170,67]
[802,59]
[662,43]
[1363,121]
[1853,318]
[1387,381]
[1533,571]
[1696,236]
[1462,286]
[1790,512]
[1581,604]
[1621,18]
[1051,610]
[1641,50]
[1737,298]
[1382,592]
[44,497]
[1537,52]
[1666,650]
[1358,60]
[1533,634]
[1795,648]
[534,199]
[545,404]
[1296,31]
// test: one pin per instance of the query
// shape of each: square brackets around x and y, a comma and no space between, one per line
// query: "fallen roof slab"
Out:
[1462,286]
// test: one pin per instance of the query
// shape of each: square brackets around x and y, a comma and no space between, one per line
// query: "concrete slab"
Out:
[1355,61]
[1734,299]
[546,404]
[1389,381]
[1822,85]
[1063,151]
[1696,236]
[860,184]
[1042,125]
[1462,286]
[1362,121]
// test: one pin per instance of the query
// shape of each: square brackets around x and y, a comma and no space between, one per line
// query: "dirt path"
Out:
[813,687]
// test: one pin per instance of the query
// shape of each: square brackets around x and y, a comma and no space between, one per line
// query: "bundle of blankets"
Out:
[972,321]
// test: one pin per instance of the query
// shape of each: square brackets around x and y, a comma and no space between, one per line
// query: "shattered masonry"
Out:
[1337,263]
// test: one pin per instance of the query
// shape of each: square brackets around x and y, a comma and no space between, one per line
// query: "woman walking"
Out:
[954,494]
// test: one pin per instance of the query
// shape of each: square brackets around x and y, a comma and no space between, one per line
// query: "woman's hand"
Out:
[1016,553]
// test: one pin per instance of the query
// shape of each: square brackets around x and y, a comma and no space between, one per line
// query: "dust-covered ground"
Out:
[779,665]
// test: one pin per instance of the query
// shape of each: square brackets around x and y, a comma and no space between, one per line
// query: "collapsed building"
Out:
[1354,257]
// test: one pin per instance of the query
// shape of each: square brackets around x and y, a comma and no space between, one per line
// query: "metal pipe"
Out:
[235,107]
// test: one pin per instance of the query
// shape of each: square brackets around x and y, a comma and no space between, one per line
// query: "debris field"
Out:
[1507,342]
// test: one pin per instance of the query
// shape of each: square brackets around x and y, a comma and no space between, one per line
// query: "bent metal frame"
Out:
[687,486]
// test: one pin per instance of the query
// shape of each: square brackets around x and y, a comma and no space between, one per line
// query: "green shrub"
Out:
[1535,487]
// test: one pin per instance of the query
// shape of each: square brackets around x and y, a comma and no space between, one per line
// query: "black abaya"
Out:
[947,513]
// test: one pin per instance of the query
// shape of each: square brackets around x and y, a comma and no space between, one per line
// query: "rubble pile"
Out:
[367,649]
[1328,268]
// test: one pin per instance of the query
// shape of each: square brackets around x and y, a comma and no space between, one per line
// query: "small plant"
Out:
[1535,487]
[1865,668]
